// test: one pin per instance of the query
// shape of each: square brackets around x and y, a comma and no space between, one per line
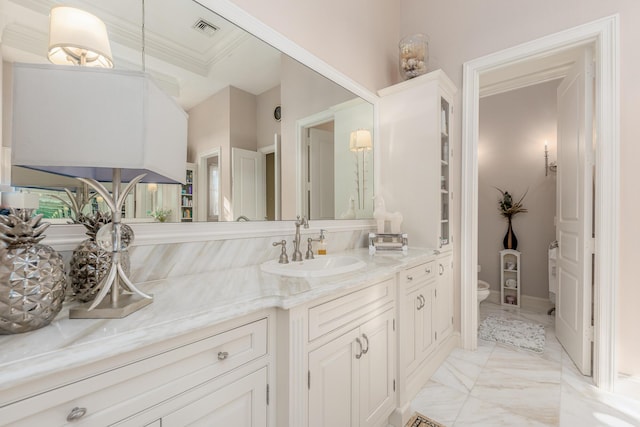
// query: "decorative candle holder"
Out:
[414,55]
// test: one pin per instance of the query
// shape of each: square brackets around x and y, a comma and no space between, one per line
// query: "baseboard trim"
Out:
[628,386]
[527,302]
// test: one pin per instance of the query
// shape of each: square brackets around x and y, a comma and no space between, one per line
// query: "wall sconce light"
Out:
[548,166]
[360,142]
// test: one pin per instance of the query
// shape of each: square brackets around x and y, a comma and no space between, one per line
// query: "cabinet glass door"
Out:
[445,237]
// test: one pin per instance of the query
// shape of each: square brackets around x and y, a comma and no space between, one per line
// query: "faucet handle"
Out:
[309,254]
[283,259]
[302,221]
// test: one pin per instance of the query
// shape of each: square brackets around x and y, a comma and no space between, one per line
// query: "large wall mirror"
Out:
[268,138]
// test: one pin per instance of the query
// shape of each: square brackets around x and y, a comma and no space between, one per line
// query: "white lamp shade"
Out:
[360,140]
[83,122]
[74,33]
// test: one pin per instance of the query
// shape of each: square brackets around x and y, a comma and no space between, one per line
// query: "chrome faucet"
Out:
[297,254]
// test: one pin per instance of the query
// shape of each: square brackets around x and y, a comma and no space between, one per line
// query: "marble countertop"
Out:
[181,305]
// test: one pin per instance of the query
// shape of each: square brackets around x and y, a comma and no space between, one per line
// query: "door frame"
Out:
[203,185]
[604,34]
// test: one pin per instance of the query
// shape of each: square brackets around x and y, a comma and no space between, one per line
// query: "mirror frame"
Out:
[67,237]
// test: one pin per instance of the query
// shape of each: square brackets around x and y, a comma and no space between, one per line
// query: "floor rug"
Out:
[525,335]
[419,420]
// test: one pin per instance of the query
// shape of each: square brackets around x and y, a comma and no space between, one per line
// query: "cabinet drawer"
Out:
[333,314]
[419,273]
[116,394]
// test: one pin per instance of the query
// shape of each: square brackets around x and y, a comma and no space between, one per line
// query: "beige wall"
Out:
[513,128]
[267,125]
[463,30]
[357,37]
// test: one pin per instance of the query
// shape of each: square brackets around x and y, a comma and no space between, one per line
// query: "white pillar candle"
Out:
[20,200]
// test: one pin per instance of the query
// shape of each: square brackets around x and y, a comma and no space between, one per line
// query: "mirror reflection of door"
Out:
[320,171]
[248,184]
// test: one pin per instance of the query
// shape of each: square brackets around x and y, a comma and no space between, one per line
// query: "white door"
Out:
[333,379]
[574,212]
[320,185]
[248,185]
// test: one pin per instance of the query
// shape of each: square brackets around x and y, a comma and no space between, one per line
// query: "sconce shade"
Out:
[83,122]
[360,140]
[77,37]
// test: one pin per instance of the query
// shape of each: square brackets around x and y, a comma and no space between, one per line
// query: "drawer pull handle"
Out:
[222,355]
[359,355]
[366,340]
[76,413]
[441,269]
[409,278]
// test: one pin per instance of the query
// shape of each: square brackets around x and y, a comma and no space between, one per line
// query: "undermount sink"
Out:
[325,265]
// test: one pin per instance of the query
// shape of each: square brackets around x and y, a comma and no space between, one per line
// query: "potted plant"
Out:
[508,209]
[161,215]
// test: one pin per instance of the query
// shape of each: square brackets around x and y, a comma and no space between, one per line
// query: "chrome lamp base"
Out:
[126,304]
[119,304]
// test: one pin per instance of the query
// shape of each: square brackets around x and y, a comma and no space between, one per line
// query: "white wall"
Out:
[462,30]
[513,128]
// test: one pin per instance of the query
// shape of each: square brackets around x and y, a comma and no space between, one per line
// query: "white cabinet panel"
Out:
[242,403]
[334,377]
[352,376]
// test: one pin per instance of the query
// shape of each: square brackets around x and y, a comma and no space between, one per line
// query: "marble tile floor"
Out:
[499,385]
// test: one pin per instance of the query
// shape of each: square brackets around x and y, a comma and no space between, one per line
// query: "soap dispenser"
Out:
[322,248]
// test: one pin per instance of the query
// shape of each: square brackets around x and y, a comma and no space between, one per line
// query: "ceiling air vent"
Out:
[205,27]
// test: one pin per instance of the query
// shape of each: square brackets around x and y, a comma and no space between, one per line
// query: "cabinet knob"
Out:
[409,277]
[223,355]
[428,270]
[76,413]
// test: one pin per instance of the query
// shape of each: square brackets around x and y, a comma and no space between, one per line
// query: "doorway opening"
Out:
[603,35]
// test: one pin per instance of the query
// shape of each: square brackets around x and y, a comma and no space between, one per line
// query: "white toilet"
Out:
[483,293]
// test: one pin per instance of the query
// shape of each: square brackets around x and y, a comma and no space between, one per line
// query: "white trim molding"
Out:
[603,34]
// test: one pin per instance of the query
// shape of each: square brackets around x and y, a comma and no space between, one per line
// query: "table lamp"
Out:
[99,125]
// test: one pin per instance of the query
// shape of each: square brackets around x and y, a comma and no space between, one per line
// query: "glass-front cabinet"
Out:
[415,141]
[445,157]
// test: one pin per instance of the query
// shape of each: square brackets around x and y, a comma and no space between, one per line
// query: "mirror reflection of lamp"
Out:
[99,125]
[360,142]
[152,188]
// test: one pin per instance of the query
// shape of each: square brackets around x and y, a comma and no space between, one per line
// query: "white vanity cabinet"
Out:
[351,377]
[341,351]
[425,299]
[415,135]
[211,375]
